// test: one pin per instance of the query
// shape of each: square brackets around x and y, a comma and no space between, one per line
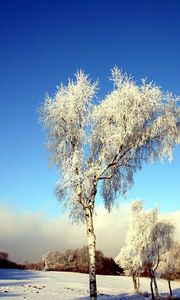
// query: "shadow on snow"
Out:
[18,277]
[122,296]
[125,296]
[5,295]
[16,274]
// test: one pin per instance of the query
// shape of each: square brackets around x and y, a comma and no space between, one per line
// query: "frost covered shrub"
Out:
[55,260]
[77,261]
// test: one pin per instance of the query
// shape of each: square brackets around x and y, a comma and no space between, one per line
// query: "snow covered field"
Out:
[18,284]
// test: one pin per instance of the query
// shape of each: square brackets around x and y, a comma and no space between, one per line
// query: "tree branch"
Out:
[158,260]
[106,177]
[82,202]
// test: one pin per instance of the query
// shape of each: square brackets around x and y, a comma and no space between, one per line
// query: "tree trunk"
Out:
[156,287]
[138,283]
[170,290]
[92,254]
[151,286]
[135,283]
[153,280]
[154,277]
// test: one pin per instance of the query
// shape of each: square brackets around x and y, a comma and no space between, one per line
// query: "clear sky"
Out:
[44,43]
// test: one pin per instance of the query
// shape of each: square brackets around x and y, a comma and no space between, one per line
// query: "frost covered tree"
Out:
[133,257]
[160,240]
[102,143]
[169,266]
[147,239]
[127,260]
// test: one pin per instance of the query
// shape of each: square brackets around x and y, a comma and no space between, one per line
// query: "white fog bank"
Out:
[26,237]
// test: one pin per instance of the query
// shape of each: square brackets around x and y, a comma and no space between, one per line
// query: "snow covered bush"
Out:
[54,260]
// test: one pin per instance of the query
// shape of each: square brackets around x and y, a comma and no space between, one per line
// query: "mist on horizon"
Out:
[28,236]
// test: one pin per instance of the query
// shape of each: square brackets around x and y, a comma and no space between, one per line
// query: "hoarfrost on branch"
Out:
[106,141]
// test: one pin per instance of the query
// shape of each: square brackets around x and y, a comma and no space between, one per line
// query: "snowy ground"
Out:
[18,284]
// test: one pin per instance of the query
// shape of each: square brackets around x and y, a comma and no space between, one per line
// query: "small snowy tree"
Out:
[147,239]
[169,266]
[127,260]
[105,142]
[160,241]
[132,258]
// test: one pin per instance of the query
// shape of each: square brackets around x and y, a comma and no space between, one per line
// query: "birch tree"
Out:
[127,260]
[160,241]
[100,144]
[147,239]
[133,256]
[169,266]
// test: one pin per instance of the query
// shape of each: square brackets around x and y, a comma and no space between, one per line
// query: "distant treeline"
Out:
[77,261]
[70,261]
[5,263]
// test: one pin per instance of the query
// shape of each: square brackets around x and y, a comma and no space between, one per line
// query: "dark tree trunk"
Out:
[153,281]
[156,287]
[151,286]
[92,254]
[154,276]
[170,290]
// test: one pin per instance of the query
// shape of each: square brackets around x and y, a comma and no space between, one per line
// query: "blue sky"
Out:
[44,43]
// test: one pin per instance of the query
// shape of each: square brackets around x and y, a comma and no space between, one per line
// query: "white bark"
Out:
[92,254]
